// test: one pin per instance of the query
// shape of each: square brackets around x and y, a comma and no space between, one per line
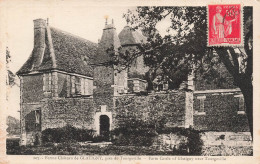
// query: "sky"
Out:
[82,20]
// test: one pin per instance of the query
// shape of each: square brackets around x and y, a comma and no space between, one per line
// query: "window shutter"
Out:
[49,83]
[82,84]
[68,85]
[86,87]
[72,85]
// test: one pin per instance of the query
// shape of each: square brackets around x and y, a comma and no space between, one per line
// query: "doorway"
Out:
[104,126]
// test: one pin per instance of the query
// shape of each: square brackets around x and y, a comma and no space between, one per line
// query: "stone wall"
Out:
[227,143]
[220,113]
[214,143]
[78,112]
[154,108]
[32,88]
[28,109]
[103,92]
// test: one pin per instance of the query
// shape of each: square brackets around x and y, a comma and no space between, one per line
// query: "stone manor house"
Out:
[62,84]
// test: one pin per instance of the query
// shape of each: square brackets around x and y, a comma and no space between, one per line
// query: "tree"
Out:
[184,48]
[10,76]
[10,80]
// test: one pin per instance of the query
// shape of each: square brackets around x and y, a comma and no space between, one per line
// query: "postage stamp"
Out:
[225,25]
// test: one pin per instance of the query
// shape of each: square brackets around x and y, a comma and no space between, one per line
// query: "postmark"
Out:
[225,25]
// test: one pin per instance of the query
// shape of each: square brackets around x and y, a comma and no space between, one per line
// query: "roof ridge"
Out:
[73,35]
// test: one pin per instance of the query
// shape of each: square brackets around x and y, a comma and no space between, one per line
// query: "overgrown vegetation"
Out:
[139,133]
[136,138]
[193,145]
[69,134]
[136,133]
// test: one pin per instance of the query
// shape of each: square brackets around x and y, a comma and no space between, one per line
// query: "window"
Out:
[80,86]
[38,120]
[136,86]
[72,81]
[240,104]
[86,87]
[160,87]
[165,86]
[47,82]
[201,110]
[77,85]
[33,121]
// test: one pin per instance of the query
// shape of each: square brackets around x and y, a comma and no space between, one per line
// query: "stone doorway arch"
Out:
[103,120]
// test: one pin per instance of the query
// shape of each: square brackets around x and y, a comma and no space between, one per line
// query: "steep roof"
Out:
[128,36]
[63,51]
[108,40]
[73,54]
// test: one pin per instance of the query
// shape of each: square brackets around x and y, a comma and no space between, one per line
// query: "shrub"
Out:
[12,146]
[66,148]
[136,133]
[100,138]
[66,134]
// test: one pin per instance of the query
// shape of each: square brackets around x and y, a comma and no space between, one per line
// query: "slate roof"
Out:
[71,54]
[108,40]
[128,36]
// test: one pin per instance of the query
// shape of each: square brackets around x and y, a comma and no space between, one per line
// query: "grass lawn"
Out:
[13,148]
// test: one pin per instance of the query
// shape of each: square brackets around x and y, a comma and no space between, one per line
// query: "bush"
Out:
[194,143]
[136,133]
[66,134]
[100,139]
[12,146]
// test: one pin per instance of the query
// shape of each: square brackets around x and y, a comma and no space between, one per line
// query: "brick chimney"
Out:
[39,40]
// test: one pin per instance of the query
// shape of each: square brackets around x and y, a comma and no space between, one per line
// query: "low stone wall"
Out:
[215,143]
[227,138]
[167,142]
[220,113]
[227,144]
[223,150]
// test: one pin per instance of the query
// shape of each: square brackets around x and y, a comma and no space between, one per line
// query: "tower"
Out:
[108,80]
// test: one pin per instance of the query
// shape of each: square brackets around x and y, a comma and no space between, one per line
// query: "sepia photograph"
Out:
[129,80]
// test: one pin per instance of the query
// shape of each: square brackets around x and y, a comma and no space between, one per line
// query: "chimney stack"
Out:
[39,41]
[39,33]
